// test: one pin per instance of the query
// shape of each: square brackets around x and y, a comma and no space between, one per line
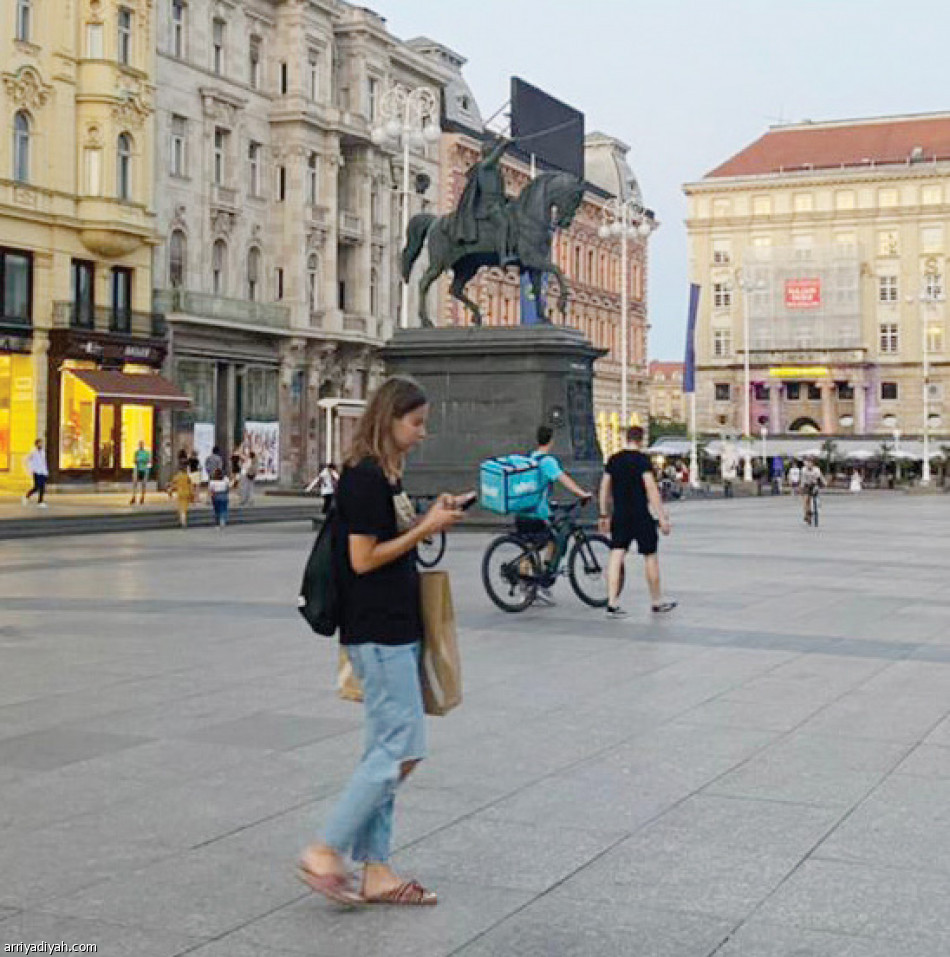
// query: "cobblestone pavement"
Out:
[764,773]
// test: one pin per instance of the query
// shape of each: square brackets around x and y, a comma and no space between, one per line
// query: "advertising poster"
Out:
[203,443]
[802,293]
[263,439]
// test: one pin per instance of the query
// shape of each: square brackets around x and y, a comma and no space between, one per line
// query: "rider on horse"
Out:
[483,200]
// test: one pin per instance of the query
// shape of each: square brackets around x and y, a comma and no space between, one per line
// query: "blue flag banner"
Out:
[529,305]
[689,372]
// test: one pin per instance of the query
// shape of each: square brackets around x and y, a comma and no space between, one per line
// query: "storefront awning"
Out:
[135,388]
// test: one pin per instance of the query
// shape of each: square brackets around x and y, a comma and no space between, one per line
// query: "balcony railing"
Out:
[107,319]
[207,306]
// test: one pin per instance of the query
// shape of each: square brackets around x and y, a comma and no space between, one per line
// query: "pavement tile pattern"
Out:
[763,773]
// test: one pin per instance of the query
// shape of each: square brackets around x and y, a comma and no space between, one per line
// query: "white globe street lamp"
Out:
[624,220]
[747,286]
[409,118]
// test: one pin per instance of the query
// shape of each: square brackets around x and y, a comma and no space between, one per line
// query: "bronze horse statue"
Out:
[548,202]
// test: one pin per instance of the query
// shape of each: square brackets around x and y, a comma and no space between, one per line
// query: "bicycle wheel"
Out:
[587,569]
[430,550]
[510,571]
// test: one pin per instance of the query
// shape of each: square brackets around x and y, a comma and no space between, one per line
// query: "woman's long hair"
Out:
[396,397]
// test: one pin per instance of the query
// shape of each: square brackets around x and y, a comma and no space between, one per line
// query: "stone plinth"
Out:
[490,388]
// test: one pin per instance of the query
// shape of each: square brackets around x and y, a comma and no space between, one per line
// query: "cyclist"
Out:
[811,480]
[534,522]
[630,485]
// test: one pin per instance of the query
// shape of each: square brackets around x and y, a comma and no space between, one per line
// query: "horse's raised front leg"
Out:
[428,277]
[459,281]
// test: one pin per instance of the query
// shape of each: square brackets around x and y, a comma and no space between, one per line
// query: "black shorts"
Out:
[535,529]
[624,532]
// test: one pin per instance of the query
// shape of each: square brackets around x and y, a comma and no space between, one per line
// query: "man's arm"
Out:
[656,502]
[572,486]
[605,499]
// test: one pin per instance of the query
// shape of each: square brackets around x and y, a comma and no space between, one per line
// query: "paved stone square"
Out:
[764,773]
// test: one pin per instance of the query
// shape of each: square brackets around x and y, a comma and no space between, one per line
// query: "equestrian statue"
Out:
[489,229]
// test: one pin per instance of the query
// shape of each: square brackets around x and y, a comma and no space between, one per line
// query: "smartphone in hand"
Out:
[467,500]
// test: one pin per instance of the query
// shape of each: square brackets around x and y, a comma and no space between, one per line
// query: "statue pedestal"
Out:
[489,389]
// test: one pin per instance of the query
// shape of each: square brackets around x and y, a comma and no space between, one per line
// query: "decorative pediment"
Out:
[222,222]
[26,88]
[221,106]
[132,110]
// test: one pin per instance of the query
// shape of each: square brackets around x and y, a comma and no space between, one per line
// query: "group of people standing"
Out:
[186,484]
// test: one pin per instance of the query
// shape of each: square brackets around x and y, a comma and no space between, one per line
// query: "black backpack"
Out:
[319,600]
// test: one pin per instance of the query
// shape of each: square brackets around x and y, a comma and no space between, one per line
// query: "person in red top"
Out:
[630,487]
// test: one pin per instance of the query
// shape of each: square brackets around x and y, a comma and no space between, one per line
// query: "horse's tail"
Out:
[415,239]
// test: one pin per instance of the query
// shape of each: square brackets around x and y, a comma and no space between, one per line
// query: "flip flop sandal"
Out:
[334,887]
[410,893]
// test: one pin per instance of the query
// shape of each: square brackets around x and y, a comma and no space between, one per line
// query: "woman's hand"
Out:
[443,514]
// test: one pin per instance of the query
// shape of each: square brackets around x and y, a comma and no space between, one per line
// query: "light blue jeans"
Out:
[362,821]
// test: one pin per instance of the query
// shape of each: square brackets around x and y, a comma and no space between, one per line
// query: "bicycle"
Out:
[514,566]
[430,550]
[811,513]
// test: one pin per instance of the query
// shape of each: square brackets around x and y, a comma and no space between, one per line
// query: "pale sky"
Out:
[686,84]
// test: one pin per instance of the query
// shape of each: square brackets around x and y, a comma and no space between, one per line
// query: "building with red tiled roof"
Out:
[821,253]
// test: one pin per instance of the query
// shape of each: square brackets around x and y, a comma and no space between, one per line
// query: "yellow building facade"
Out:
[667,400]
[824,247]
[76,233]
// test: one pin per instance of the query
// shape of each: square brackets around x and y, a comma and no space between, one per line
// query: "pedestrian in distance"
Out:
[219,489]
[325,483]
[182,489]
[214,462]
[794,477]
[381,633]
[730,472]
[36,465]
[142,463]
[194,475]
[630,510]
[246,479]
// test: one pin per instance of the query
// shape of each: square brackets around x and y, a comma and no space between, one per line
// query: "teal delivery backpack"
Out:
[510,483]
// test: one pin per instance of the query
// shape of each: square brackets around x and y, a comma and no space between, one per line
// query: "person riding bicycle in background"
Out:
[811,480]
[535,521]
[630,487]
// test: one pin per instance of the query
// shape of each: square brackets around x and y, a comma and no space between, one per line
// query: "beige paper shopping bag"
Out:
[440,668]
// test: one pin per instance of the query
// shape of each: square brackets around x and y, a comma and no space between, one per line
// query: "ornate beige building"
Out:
[831,241]
[76,235]
[666,391]
[280,217]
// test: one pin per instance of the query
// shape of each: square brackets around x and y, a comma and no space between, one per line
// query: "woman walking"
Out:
[218,489]
[181,488]
[381,633]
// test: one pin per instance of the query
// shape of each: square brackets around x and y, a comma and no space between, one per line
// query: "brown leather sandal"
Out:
[410,893]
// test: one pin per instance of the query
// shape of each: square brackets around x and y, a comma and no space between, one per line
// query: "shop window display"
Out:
[77,432]
[136,427]
[6,373]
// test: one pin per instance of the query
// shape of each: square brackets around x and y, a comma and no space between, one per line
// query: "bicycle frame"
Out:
[563,528]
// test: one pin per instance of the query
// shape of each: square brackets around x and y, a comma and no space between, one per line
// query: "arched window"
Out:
[124,167]
[313,282]
[253,272]
[373,291]
[21,147]
[176,259]
[219,257]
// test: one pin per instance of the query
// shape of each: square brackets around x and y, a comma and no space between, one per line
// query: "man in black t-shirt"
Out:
[630,485]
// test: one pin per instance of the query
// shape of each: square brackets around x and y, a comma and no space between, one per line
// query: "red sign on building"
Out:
[802,293]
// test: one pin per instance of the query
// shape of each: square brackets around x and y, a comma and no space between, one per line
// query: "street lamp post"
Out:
[930,295]
[747,286]
[625,219]
[410,117]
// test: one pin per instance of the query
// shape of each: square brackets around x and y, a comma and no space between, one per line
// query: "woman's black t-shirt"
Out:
[381,606]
